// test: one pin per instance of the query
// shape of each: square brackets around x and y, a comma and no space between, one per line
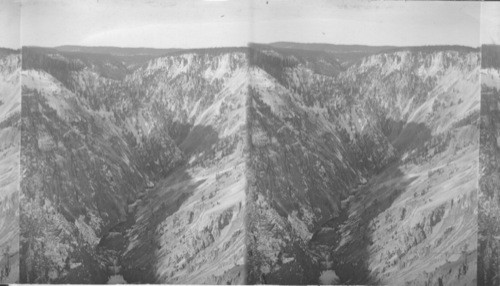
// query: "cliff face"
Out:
[196,213]
[436,208]
[10,132]
[258,165]
[78,171]
[367,173]
[141,169]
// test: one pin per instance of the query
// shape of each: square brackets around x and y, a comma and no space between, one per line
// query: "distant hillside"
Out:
[349,54]
[116,51]
[130,57]
[7,51]
[209,51]
[433,49]
[331,47]
[60,64]
[346,54]
[321,62]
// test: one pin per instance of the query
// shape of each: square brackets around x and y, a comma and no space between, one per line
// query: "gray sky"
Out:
[9,24]
[490,23]
[370,22]
[201,23]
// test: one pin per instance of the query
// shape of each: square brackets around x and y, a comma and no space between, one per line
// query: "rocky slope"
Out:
[10,132]
[364,176]
[196,213]
[133,171]
[268,164]
[488,221]
[78,172]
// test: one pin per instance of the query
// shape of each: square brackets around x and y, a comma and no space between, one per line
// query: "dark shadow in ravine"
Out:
[350,261]
[152,208]
[199,139]
[405,135]
[154,205]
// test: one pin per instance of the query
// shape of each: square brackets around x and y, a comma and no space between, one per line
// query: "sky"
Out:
[490,23]
[9,24]
[370,22]
[216,23]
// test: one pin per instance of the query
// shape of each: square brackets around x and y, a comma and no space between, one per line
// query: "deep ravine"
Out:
[112,245]
[321,151]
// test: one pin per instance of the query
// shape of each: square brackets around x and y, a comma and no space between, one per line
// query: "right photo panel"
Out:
[364,139]
[489,159]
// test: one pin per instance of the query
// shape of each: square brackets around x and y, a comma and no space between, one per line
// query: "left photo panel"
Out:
[133,158]
[10,135]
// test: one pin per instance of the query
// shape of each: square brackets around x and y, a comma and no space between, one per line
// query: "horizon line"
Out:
[248,44]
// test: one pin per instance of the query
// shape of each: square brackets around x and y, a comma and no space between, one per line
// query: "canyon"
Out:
[274,163]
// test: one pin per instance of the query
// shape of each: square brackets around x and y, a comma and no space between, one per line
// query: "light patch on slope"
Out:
[222,68]
[180,64]
[491,78]
[328,277]
[458,95]
[228,112]
[10,87]
[51,90]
